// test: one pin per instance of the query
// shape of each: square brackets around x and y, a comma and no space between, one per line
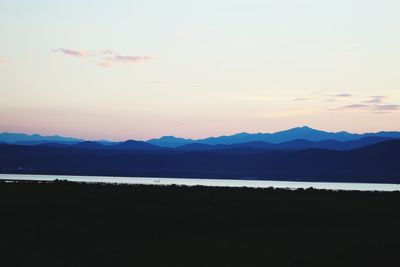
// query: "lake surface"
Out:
[206,182]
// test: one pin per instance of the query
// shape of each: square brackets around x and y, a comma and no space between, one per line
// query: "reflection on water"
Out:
[205,182]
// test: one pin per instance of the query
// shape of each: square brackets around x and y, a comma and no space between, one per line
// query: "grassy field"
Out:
[73,224]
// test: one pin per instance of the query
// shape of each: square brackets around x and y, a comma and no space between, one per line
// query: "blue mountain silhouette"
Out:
[299,136]
[27,139]
[297,144]
[127,145]
[89,144]
[375,163]
[305,133]
[134,145]
[170,141]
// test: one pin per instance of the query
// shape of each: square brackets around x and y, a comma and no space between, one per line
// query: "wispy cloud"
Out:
[376,99]
[74,53]
[2,61]
[376,108]
[387,107]
[106,57]
[355,106]
[301,99]
[115,58]
[341,95]
[375,104]
[126,59]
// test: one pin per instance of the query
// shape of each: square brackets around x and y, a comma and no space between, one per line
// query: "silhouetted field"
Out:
[72,224]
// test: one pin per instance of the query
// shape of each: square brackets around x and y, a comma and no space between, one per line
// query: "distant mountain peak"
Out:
[305,128]
[22,137]
[170,141]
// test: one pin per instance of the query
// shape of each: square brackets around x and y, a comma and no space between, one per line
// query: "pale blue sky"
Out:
[140,69]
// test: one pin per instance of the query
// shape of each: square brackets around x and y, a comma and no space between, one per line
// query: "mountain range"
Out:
[29,139]
[300,154]
[292,139]
[304,132]
[297,144]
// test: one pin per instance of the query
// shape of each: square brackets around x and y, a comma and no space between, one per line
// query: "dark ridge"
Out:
[89,144]
[297,144]
[378,163]
[133,144]
[127,145]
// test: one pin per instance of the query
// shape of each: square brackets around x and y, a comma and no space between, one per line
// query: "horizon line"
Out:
[194,139]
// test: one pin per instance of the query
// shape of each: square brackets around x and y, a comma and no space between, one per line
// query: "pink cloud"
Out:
[341,95]
[74,53]
[106,57]
[126,59]
[376,99]
[356,106]
[2,61]
[109,60]
[386,107]
[375,108]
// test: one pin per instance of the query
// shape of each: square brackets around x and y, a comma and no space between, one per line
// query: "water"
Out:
[206,182]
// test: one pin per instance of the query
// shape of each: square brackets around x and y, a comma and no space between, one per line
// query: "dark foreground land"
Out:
[71,224]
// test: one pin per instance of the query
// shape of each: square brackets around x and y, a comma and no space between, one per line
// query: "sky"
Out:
[127,69]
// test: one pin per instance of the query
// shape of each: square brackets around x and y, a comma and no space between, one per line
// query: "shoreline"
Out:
[292,185]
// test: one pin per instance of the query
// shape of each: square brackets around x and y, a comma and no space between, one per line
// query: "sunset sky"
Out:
[127,69]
